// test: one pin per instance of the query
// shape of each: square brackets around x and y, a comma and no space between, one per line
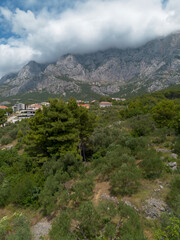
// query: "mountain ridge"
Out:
[154,66]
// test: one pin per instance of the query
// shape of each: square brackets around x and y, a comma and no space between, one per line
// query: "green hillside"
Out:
[110,173]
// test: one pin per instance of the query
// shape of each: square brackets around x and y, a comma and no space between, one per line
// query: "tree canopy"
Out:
[2,116]
[61,128]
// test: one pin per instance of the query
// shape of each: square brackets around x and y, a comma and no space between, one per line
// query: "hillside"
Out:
[111,173]
[113,72]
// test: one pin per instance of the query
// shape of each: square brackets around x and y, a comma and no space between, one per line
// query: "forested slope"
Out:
[108,173]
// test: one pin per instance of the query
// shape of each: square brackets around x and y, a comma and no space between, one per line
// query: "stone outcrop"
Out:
[154,207]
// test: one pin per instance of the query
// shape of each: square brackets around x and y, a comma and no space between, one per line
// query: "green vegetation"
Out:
[15,227]
[171,232]
[13,132]
[82,165]
[2,116]
[98,223]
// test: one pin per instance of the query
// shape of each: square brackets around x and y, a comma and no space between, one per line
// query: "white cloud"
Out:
[6,13]
[14,56]
[90,26]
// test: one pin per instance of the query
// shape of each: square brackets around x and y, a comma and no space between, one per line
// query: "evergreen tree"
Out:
[2,116]
[59,129]
[165,114]
[53,131]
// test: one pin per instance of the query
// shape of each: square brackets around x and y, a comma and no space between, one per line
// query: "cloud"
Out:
[85,27]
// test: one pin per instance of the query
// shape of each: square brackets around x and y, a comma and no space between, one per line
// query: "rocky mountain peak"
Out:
[30,70]
[154,66]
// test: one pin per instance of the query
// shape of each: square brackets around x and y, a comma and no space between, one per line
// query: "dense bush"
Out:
[165,114]
[141,125]
[177,145]
[23,190]
[2,116]
[90,222]
[173,197]
[13,133]
[171,232]
[82,190]
[16,227]
[124,180]
[151,163]
[6,140]
[11,129]
[16,183]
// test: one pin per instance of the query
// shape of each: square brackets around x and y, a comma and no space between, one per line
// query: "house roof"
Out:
[84,105]
[108,103]
[36,106]
[3,107]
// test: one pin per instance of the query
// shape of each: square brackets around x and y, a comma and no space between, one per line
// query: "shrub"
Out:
[82,190]
[22,190]
[106,221]
[48,196]
[173,197]
[151,164]
[115,157]
[165,114]
[141,125]
[124,181]
[171,232]
[6,140]
[131,228]
[61,228]
[13,133]
[4,192]
[15,227]
[177,145]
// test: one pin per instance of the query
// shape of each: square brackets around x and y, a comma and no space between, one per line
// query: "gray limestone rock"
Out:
[151,67]
[172,165]
[154,207]
[174,156]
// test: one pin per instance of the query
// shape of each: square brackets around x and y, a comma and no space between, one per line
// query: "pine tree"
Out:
[2,116]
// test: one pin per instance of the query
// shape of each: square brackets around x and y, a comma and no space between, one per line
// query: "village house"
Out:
[84,105]
[3,107]
[35,106]
[105,104]
[27,113]
[18,107]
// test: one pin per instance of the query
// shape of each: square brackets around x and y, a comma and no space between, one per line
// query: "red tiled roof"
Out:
[36,106]
[84,105]
[105,103]
[3,107]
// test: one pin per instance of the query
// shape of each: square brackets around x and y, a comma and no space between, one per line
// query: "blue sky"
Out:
[35,6]
[45,30]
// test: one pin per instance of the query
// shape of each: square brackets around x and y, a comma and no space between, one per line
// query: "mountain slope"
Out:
[151,67]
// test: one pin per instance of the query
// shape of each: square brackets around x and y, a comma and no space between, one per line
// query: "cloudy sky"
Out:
[45,30]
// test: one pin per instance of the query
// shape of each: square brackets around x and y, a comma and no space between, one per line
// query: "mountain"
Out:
[114,72]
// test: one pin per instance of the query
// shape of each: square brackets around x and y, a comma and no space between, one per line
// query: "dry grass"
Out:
[100,188]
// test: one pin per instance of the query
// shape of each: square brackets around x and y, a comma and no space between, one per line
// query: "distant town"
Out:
[22,111]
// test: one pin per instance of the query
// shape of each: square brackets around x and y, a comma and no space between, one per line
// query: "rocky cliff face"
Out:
[151,67]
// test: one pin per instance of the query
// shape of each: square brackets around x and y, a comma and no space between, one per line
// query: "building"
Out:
[35,106]
[3,107]
[27,113]
[18,107]
[84,105]
[119,99]
[105,104]
[47,104]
